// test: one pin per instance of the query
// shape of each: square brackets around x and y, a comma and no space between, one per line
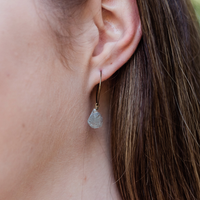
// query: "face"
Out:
[35,90]
[44,104]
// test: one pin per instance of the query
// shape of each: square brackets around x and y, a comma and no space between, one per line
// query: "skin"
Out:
[47,149]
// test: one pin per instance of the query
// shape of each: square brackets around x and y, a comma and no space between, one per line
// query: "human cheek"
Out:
[22,91]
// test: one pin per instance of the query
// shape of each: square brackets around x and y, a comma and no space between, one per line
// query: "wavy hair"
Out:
[155,107]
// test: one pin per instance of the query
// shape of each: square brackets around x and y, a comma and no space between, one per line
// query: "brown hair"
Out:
[156,107]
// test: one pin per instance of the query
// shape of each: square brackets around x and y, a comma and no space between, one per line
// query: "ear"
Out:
[119,35]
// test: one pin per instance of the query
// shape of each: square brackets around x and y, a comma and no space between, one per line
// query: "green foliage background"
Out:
[196,4]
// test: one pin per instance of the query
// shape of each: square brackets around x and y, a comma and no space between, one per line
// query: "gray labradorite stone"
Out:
[95,120]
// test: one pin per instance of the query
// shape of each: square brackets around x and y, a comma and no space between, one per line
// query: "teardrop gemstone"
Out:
[95,120]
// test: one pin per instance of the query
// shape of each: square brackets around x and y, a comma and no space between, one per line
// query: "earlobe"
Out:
[118,39]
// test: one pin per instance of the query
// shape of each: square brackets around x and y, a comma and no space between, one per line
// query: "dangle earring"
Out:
[96,120]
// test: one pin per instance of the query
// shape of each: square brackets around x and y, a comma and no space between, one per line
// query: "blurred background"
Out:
[196,4]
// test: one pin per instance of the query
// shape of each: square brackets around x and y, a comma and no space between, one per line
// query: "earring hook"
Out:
[98,92]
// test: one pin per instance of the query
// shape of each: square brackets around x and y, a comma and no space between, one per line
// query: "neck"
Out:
[87,177]
[76,171]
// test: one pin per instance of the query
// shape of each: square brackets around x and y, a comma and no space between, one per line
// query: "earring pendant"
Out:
[95,120]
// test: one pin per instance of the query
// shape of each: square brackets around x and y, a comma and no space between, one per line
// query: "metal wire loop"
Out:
[98,92]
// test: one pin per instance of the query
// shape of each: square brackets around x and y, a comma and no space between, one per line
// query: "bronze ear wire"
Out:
[98,92]
[95,120]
